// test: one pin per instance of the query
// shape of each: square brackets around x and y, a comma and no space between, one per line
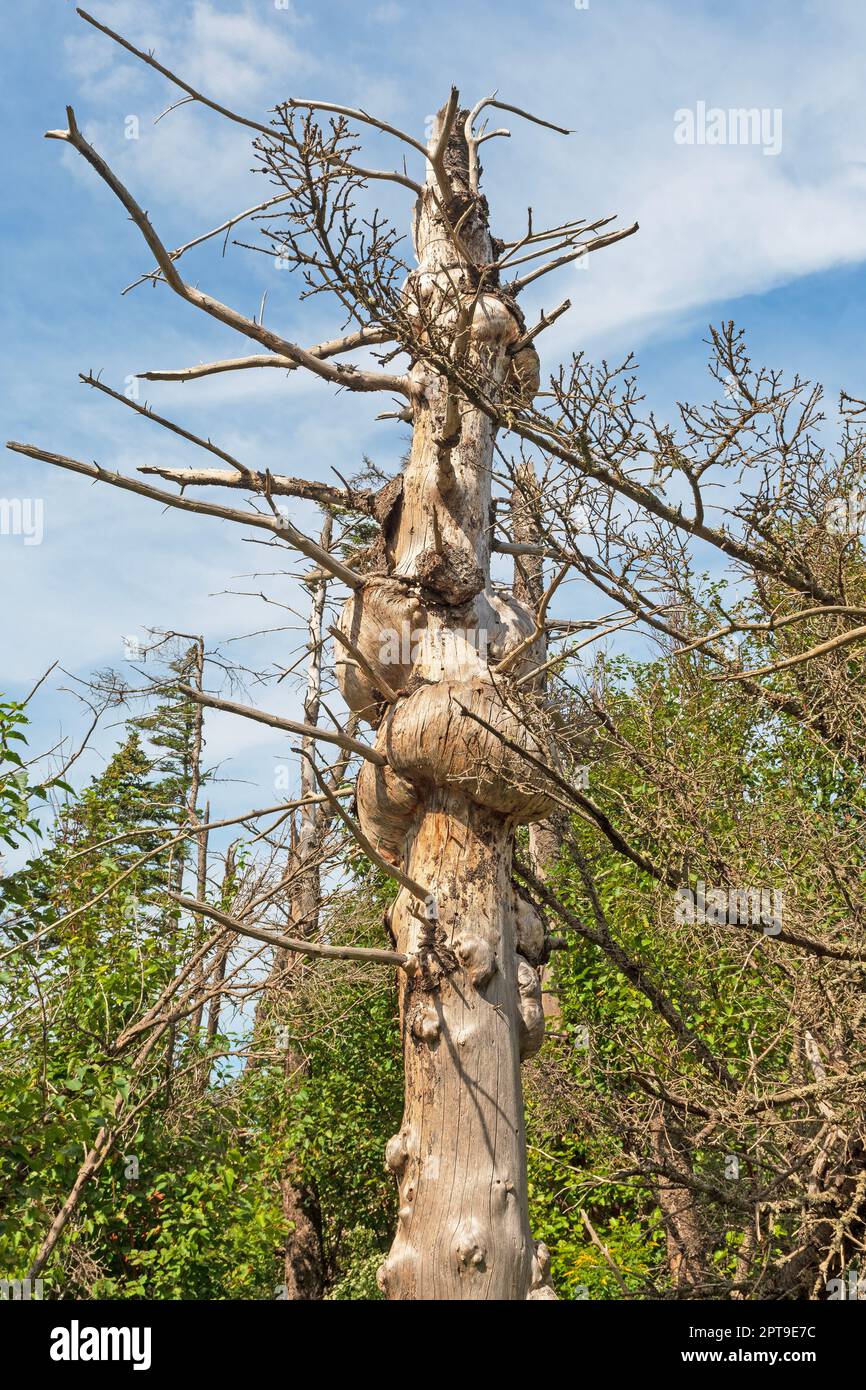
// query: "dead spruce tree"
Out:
[436,662]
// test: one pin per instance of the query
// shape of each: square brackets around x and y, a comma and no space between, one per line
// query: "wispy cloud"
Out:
[717,223]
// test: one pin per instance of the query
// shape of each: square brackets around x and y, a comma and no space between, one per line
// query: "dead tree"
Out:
[431,657]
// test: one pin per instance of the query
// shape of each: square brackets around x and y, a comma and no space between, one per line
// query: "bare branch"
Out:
[357,114]
[437,156]
[332,348]
[288,943]
[473,141]
[378,680]
[276,721]
[351,377]
[422,895]
[156,273]
[192,94]
[228,364]
[388,175]
[540,625]
[527,115]
[515,286]
[843,639]
[544,322]
[279,525]
[278,484]
[241,474]
[773,624]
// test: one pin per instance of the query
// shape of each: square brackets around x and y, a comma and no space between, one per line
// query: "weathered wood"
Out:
[447,804]
[460,1157]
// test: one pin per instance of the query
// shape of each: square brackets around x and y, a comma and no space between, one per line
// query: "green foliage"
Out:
[731,787]
[188,1204]
[201,1216]
[201,1221]
[346,1105]
[20,797]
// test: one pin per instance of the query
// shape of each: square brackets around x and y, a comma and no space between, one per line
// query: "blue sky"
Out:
[776,242]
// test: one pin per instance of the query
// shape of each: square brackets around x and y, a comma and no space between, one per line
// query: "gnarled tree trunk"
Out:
[446,806]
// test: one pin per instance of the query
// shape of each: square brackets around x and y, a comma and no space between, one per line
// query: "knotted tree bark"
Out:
[446,806]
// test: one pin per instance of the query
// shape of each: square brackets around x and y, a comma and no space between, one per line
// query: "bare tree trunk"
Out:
[686,1243]
[303,1262]
[305,899]
[201,894]
[446,807]
[545,837]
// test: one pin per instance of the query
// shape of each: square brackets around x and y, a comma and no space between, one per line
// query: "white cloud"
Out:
[193,159]
[241,57]
[716,223]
